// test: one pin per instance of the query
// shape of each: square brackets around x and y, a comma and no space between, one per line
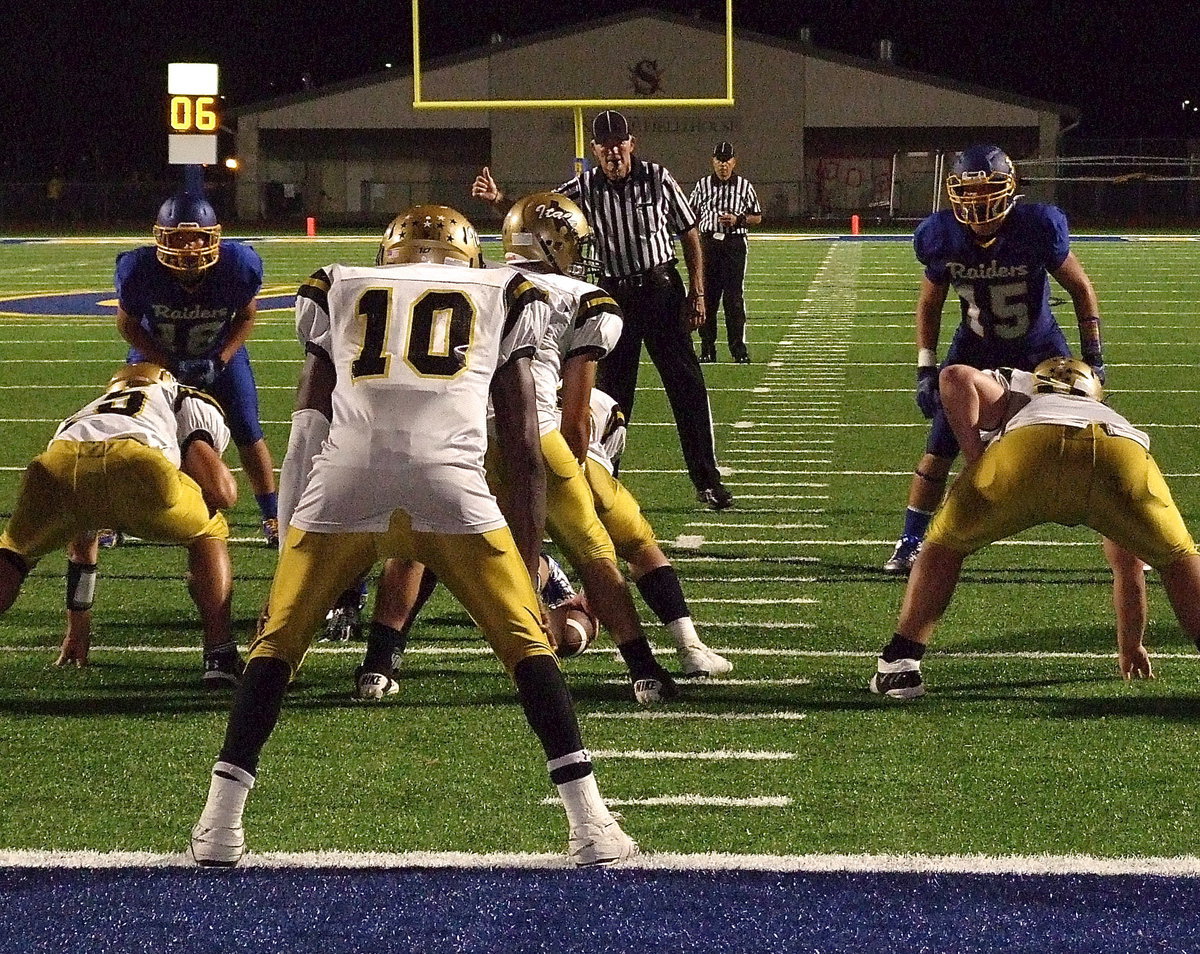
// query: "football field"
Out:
[1028,754]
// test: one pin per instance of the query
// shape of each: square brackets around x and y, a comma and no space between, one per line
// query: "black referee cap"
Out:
[610,126]
[723,152]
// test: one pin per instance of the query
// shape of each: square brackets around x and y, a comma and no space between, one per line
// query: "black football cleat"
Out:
[716,497]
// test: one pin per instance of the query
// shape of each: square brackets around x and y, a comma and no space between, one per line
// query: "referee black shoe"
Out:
[708,355]
[716,497]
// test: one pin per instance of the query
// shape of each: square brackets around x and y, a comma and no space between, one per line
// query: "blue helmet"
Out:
[187,234]
[982,185]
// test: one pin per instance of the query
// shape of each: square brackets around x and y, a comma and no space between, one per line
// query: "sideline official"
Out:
[636,208]
[726,203]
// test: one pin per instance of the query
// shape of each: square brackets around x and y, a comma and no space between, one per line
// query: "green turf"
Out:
[1005,754]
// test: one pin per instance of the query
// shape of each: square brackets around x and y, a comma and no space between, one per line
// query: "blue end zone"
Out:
[580,912]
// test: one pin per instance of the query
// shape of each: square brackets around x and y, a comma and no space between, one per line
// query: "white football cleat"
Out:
[699,662]
[374,686]
[605,843]
[217,847]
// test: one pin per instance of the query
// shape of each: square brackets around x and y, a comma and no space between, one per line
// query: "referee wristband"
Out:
[926,358]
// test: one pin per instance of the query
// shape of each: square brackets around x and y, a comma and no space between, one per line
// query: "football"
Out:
[578,631]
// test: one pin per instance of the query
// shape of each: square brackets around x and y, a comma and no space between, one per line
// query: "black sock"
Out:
[661,590]
[255,711]
[639,657]
[901,648]
[225,649]
[550,711]
[385,646]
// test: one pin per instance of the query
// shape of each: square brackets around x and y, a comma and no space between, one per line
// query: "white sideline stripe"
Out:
[714,755]
[1184,866]
[357,649]
[695,801]
[715,716]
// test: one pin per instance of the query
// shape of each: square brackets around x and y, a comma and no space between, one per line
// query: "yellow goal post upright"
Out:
[576,105]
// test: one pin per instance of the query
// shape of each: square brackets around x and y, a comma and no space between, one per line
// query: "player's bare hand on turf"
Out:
[484,187]
[1135,664]
[74,651]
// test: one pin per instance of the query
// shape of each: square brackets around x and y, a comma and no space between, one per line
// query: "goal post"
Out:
[576,105]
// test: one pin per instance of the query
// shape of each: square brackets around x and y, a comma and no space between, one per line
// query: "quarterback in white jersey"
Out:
[143,458]
[1042,447]
[402,359]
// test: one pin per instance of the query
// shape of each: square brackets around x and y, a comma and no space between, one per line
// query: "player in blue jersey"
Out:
[187,303]
[997,255]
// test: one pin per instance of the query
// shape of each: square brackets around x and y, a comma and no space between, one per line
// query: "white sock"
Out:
[581,798]
[683,631]
[227,793]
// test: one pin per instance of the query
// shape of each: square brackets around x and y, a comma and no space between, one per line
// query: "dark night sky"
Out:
[76,77]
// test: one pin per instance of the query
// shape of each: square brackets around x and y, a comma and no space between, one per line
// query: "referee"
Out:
[726,204]
[636,209]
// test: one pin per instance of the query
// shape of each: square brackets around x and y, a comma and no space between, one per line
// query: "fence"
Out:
[1121,191]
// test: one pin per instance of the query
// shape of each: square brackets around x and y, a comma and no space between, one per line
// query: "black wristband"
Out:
[741,221]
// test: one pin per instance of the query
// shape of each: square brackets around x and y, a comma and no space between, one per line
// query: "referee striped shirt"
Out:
[636,219]
[712,196]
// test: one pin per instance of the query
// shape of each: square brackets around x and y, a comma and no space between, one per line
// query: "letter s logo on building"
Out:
[646,77]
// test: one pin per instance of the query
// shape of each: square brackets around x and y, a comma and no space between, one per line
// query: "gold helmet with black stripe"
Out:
[548,227]
[430,233]
[1067,376]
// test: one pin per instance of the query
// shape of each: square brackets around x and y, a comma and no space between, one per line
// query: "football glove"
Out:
[928,399]
[1095,357]
[199,372]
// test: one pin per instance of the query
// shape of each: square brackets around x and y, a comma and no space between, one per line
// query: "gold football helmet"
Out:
[430,233]
[144,372]
[550,228]
[1067,376]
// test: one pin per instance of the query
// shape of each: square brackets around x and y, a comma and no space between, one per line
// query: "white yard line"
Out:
[714,755]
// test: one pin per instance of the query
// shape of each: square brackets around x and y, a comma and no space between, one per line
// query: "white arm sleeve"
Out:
[309,430]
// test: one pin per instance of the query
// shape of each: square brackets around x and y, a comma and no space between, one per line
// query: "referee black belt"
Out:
[656,276]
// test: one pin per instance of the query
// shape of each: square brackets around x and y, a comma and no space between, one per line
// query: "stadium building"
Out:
[822,134]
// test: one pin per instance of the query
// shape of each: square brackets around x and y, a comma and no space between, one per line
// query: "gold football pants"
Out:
[618,510]
[75,486]
[484,571]
[1055,473]
[571,519]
